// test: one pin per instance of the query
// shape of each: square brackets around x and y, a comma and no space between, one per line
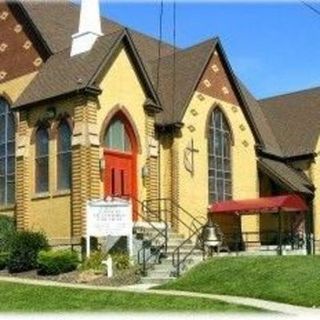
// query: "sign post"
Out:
[110,217]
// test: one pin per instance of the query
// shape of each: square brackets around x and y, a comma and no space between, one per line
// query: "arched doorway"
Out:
[120,155]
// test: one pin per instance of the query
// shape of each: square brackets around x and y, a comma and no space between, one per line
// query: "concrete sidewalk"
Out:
[147,289]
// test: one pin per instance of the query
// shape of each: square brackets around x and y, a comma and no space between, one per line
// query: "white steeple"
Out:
[89,27]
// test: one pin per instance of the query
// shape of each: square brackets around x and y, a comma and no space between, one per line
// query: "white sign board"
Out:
[111,217]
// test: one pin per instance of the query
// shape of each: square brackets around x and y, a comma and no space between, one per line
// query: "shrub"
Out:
[25,247]
[121,260]
[3,260]
[56,262]
[94,262]
[7,231]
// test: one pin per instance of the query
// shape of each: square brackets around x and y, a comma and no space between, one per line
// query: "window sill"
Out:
[39,196]
[61,193]
[9,207]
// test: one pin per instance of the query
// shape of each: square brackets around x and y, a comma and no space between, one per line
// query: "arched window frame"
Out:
[220,141]
[42,160]
[110,135]
[64,156]
[7,154]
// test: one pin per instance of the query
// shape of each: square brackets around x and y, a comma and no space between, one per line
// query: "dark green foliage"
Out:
[7,231]
[3,260]
[121,260]
[25,247]
[94,262]
[57,262]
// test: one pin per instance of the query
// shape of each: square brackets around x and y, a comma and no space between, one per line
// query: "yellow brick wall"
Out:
[49,212]
[315,177]
[11,90]
[15,87]
[193,190]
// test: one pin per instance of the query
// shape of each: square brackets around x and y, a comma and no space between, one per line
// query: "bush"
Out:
[3,260]
[7,231]
[121,261]
[56,262]
[25,247]
[94,262]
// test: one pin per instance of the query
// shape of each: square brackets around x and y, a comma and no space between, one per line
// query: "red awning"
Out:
[286,203]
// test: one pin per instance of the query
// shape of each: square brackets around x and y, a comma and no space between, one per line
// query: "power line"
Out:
[174,57]
[312,8]
[159,43]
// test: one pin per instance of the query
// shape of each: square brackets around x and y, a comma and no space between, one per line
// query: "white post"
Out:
[88,231]
[109,267]
[88,245]
[130,246]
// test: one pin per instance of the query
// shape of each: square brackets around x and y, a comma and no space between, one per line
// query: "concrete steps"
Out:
[164,271]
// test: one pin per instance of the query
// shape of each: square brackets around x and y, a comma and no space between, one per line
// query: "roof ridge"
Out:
[186,50]
[289,93]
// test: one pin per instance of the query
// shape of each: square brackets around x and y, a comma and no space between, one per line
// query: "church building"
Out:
[91,109]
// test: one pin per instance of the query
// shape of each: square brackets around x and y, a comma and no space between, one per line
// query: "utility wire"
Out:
[174,57]
[312,8]
[159,44]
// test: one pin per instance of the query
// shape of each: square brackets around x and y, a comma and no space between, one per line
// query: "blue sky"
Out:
[273,47]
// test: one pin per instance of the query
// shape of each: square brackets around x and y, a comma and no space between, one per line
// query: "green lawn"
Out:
[30,298]
[289,279]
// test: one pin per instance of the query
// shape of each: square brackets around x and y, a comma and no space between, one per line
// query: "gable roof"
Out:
[273,132]
[176,89]
[294,119]
[63,74]
[190,65]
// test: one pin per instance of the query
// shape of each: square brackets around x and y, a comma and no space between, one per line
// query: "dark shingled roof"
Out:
[293,179]
[269,141]
[57,21]
[295,120]
[62,74]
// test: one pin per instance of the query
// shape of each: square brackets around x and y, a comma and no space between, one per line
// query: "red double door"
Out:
[120,176]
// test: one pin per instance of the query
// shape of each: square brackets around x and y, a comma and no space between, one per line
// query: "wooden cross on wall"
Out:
[188,160]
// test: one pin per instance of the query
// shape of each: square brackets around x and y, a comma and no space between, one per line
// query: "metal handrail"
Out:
[176,256]
[193,229]
[159,200]
[163,234]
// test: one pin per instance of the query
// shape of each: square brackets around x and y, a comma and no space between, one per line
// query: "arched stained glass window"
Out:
[7,154]
[219,162]
[64,141]
[116,137]
[42,160]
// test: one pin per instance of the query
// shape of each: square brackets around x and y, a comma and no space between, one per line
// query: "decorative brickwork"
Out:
[215,82]
[18,55]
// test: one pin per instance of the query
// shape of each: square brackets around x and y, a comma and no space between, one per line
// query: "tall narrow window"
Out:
[116,137]
[42,160]
[219,139]
[7,154]
[64,156]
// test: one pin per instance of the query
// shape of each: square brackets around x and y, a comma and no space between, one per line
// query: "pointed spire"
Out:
[89,27]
